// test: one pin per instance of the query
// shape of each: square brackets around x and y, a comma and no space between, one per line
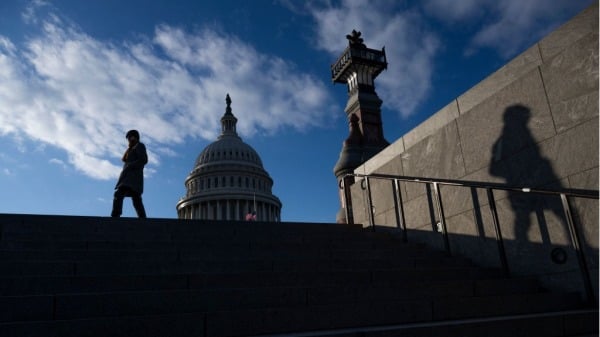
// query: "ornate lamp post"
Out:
[358,66]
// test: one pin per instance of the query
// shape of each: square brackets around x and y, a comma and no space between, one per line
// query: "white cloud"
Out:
[454,11]
[7,46]
[7,172]
[29,15]
[507,26]
[58,162]
[410,47]
[254,80]
[65,88]
[521,23]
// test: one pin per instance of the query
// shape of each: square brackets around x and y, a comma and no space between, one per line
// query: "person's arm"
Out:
[142,157]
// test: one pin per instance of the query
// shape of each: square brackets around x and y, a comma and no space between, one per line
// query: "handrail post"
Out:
[347,194]
[499,240]
[369,203]
[576,240]
[399,209]
[440,210]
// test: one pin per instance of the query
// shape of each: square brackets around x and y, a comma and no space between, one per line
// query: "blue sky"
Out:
[76,75]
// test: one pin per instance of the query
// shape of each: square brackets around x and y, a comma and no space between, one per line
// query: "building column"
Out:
[267,209]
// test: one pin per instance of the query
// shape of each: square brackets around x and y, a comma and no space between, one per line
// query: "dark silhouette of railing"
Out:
[435,183]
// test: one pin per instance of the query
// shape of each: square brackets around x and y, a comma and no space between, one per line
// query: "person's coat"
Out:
[132,175]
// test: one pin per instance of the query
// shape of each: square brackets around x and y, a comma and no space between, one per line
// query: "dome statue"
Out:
[228,180]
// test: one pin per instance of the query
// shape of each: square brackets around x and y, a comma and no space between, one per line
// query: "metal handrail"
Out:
[564,195]
[571,192]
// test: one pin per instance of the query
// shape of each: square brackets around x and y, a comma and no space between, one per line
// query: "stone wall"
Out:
[532,123]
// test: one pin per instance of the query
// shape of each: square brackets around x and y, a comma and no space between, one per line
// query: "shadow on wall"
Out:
[539,227]
[536,235]
[517,158]
[536,238]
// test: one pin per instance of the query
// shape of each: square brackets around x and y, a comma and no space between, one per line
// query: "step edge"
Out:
[334,332]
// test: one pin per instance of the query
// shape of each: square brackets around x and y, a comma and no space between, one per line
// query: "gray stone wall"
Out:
[532,123]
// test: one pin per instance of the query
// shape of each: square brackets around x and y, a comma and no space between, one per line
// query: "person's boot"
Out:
[139,207]
[117,208]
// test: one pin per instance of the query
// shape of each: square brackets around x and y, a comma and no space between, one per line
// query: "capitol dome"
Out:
[228,180]
[226,149]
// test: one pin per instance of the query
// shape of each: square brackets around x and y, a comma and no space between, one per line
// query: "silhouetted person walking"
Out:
[131,180]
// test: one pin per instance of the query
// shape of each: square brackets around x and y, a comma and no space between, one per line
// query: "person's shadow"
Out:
[517,158]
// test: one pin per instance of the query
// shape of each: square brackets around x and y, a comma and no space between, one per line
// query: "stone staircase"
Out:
[90,276]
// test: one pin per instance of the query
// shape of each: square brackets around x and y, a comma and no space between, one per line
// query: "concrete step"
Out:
[331,317]
[396,269]
[85,276]
[19,267]
[47,227]
[19,286]
[57,228]
[181,325]
[270,244]
[256,244]
[75,306]
[561,323]
[316,259]
[257,311]
[573,323]
[59,223]
[40,285]
[280,237]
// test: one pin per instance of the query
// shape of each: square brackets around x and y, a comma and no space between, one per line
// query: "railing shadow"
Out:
[553,254]
[517,159]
